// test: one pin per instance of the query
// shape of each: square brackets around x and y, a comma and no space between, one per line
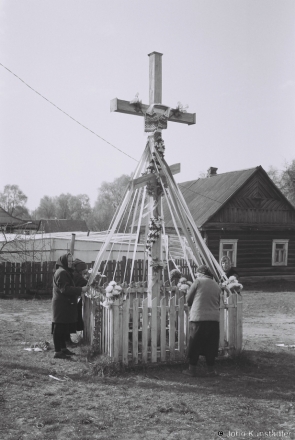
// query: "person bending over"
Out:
[204,298]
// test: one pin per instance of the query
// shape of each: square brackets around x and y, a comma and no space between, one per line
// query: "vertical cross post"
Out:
[155,97]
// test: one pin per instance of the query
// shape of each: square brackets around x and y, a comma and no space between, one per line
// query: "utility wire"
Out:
[91,131]
[65,113]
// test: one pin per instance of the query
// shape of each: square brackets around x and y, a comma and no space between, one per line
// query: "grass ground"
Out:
[253,396]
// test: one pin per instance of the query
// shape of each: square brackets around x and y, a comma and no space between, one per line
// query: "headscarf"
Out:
[79,265]
[205,271]
[63,262]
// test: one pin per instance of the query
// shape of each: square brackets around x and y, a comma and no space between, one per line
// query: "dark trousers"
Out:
[203,341]
[60,332]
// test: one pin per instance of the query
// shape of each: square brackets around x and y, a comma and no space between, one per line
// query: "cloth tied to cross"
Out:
[154,121]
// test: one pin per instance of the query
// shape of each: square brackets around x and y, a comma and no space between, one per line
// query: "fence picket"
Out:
[2,275]
[222,312]
[17,279]
[7,278]
[135,332]
[239,327]
[12,279]
[163,328]
[144,346]
[116,328]
[181,326]
[154,330]
[172,316]
[125,325]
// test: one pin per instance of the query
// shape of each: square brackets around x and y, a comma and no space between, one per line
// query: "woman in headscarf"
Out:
[64,304]
[204,298]
[227,267]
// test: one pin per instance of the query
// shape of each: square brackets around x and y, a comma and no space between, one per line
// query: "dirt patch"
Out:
[253,394]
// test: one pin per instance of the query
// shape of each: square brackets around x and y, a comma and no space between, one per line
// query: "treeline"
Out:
[98,217]
[67,206]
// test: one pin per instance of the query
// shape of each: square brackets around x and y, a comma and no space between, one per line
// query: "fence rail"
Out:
[20,278]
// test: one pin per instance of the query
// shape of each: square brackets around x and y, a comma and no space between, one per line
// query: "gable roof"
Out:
[205,196]
[7,219]
[62,225]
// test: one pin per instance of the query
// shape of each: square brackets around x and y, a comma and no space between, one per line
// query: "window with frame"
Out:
[280,252]
[228,247]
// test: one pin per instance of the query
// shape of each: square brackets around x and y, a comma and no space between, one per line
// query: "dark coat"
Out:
[65,294]
[81,282]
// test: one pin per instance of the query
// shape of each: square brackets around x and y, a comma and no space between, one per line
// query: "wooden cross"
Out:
[176,115]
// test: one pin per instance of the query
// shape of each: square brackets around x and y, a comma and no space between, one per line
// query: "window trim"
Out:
[275,241]
[233,241]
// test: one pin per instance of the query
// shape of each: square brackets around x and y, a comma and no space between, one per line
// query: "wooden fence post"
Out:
[239,342]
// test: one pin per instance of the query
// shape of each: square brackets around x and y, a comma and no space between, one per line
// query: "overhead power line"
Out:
[65,113]
[86,128]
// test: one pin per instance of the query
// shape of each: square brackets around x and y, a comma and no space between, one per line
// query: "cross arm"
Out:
[143,180]
[120,106]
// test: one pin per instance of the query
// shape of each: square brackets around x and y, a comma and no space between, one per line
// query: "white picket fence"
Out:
[131,331]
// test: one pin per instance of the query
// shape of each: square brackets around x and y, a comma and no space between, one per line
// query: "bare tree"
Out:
[21,247]
[13,199]
[285,179]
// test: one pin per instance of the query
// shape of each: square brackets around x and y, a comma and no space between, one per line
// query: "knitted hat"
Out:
[205,271]
[79,265]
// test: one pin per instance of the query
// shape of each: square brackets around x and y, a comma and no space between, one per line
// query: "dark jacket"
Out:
[81,282]
[65,294]
[232,272]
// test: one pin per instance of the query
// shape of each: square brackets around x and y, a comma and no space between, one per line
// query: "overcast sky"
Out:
[231,61]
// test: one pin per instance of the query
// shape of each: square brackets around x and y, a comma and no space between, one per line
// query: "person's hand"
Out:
[85,289]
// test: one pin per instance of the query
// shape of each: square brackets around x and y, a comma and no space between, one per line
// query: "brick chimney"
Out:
[211,172]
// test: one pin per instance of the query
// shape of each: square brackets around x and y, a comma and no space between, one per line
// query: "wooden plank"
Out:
[125,325]
[155,77]
[23,278]
[121,106]
[28,275]
[144,355]
[163,328]
[135,331]
[239,341]
[103,330]
[2,276]
[172,316]
[38,275]
[120,331]
[7,278]
[143,180]
[221,325]
[186,325]
[181,326]
[12,279]
[154,332]
[17,279]
[231,323]
[116,327]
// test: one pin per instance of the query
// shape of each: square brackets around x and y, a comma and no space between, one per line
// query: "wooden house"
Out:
[244,215]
